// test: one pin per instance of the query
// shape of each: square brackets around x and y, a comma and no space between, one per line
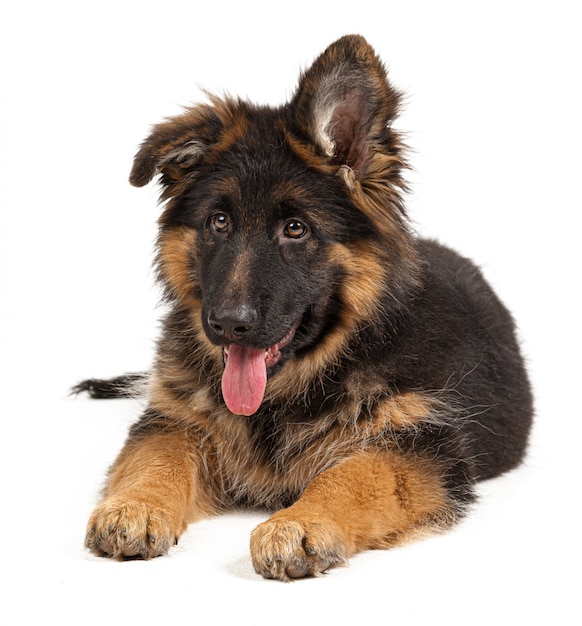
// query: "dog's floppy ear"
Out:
[345,104]
[176,146]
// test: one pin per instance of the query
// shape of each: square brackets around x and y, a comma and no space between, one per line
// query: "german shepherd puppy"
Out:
[318,359]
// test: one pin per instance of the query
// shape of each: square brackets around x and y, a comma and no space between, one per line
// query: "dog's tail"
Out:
[125,386]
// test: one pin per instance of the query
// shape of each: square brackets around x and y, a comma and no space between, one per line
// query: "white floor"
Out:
[514,559]
[493,108]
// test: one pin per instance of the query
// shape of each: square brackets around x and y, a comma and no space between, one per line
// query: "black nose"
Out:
[232,322]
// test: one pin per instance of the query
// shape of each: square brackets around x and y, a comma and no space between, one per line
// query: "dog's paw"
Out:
[287,548]
[130,530]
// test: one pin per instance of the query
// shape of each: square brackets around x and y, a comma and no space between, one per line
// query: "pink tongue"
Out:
[244,379]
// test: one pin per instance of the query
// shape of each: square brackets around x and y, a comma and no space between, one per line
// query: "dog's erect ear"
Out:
[344,102]
[176,146]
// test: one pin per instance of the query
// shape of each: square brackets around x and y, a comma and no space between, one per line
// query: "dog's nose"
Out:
[232,322]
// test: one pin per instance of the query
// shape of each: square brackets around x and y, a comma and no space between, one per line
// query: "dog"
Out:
[318,359]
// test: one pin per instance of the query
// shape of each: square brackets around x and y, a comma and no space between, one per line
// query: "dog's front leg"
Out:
[153,492]
[370,500]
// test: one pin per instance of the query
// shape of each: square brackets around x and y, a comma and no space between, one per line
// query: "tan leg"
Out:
[371,500]
[149,499]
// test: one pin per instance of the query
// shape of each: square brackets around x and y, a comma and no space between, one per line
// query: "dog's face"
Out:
[272,215]
[262,255]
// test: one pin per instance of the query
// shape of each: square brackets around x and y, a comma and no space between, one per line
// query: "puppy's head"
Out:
[282,226]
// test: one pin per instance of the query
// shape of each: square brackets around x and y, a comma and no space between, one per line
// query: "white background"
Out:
[493,114]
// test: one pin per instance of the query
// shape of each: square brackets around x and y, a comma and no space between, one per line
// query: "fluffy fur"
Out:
[318,359]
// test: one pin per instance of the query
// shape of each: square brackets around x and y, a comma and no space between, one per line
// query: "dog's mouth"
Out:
[245,373]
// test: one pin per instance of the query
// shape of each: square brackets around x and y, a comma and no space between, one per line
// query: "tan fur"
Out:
[367,501]
[307,153]
[404,410]
[149,498]
[176,247]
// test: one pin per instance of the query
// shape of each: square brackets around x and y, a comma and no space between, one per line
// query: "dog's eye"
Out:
[220,222]
[295,229]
